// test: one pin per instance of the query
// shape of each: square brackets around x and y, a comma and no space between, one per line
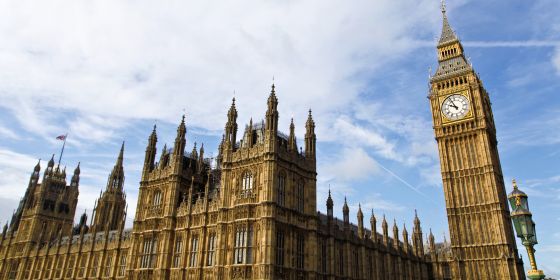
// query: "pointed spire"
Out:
[194,153]
[180,140]
[150,157]
[292,145]
[447,33]
[372,219]
[330,205]
[120,157]
[373,224]
[310,137]
[514,183]
[37,166]
[51,162]
[116,178]
[345,208]
[360,214]
[272,114]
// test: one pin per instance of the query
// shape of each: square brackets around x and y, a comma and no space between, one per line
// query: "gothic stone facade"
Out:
[482,239]
[253,216]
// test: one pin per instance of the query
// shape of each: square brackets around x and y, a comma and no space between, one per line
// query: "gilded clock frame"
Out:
[467,95]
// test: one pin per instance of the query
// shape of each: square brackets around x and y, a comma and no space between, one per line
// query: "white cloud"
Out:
[15,169]
[117,61]
[352,164]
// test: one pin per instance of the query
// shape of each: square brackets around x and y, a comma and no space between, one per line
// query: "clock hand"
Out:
[453,105]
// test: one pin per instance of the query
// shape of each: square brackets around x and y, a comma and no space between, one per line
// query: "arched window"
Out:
[243,247]
[156,198]
[247,181]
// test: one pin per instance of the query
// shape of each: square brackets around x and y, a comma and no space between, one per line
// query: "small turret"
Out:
[310,138]
[395,234]
[292,143]
[231,126]
[50,166]
[180,141]
[75,182]
[417,238]
[116,178]
[272,113]
[150,157]
[385,229]
[405,238]
[346,213]
[373,224]
[330,206]
[432,242]
[360,217]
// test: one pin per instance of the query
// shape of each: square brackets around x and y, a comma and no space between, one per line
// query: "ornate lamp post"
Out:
[525,227]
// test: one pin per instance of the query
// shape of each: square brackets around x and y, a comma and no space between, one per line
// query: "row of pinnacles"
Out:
[184,200]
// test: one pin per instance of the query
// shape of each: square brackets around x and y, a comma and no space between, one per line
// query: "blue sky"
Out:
[107,71]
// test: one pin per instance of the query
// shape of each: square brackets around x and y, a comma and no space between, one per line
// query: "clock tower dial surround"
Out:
[482,239]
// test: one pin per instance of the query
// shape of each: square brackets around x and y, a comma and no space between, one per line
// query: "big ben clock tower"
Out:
[482,238]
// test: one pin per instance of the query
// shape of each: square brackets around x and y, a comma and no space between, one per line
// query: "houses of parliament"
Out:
[253,214]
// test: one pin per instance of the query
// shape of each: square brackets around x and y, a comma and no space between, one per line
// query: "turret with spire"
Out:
[385,229]
[450,51]
[360,216]
[292,143]
[373,224]
[346,214]
[150,157]
[405,238]
[330,206]
[395,234]
[111,203]
[116,178]
[179,147]
[417,238]
[231,126]
[310,138]
[271,121]
[75,182]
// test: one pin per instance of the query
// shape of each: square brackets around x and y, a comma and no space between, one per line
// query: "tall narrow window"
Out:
[242,252]
[177,252]
[122,265]
[324,256]
[82,269]
[247,182]
[13,270]
[211,249]
[341,260]
[194,251]
[148,256]
[95,266]
[280,248]
[300,251]
[157,198]
[356,264]
[107,270]
[281,190]
[300,197]
[70,266]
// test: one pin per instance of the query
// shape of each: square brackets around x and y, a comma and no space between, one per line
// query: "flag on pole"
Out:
[61,137]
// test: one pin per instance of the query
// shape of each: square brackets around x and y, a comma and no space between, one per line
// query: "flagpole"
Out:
[61,152]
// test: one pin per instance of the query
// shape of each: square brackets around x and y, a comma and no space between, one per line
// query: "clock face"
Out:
[455,107]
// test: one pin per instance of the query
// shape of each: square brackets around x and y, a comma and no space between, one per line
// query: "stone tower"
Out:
[269,185]
[112,202]
[482,240]
[47,208]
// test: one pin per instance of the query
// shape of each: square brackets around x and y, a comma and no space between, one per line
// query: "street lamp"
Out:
[525,227]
